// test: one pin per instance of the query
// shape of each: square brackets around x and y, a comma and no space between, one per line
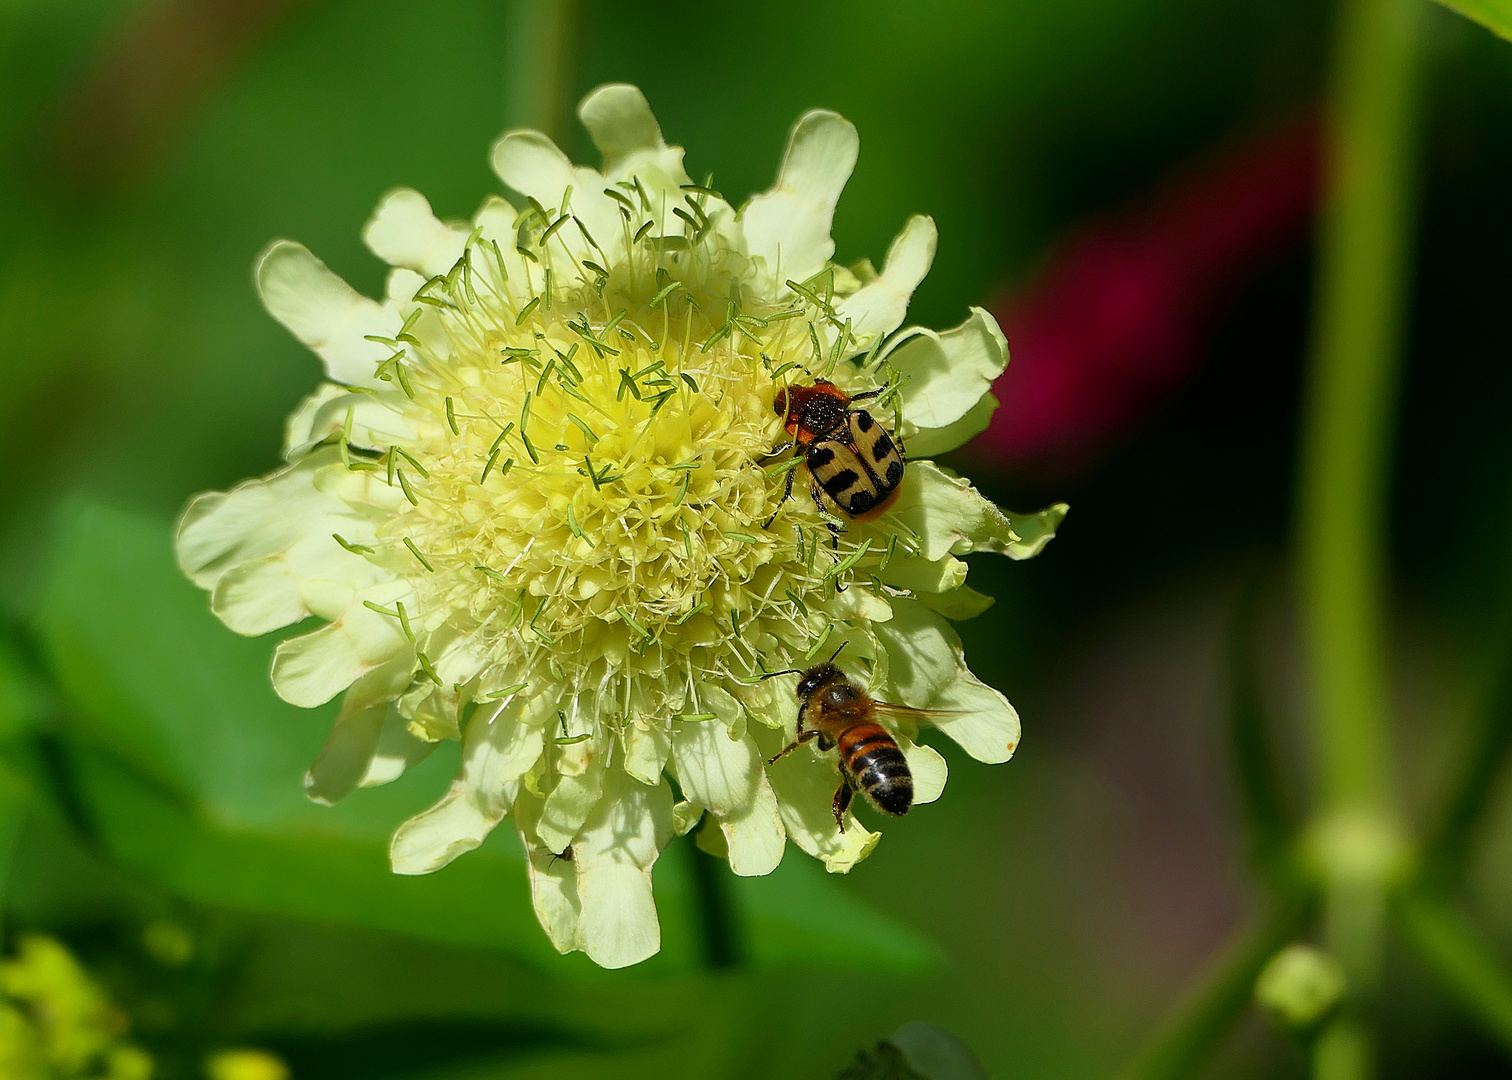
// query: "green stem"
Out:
[1450,948]
[1343,1050]
[1194,1027]
[1352,394]
[542,65]
[716,916]
[1346,443]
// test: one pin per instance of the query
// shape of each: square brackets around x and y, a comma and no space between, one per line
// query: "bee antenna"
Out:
[774,674]
[837,652]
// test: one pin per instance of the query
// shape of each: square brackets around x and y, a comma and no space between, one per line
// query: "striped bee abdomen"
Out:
[878,768]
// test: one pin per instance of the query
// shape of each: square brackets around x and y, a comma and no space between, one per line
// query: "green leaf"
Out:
[21,701]
[1461,958]
[191,770]
[1494,15]
[774,911]
[14,797]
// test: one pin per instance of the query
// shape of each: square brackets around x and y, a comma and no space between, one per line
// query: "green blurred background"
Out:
[1047,911]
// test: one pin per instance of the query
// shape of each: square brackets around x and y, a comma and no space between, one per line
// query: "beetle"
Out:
[849,455]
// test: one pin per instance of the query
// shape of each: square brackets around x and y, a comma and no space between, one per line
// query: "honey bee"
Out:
[848,454]
[839,714]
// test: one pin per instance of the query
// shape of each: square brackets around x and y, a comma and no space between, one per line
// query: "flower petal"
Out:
[789,225]
[927,670]
[571,802]
[498,747]
[957,604]
[949,372]
[685,815]
[404,232]
[877,308]
[620,120]
[553,880]
[624,129]
[923,655]
[398,750]
[714,770]
[984,724]
[646,749]
[365,747]
[313,668]
[496,220]
[614,854]
[324,312]
[533,165]
[951,518]
[754,834]
[804,783]
[344,759]
[259,546]
[931,442]
[918,574]
[379,420]
[370,747]
[927,768]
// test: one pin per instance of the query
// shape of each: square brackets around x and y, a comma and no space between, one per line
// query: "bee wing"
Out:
[908,712]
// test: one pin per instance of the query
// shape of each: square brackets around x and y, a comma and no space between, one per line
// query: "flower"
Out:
[56,1024]
[1115,322]
[539,508]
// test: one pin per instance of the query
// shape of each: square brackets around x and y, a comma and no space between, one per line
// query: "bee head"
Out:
[816,678]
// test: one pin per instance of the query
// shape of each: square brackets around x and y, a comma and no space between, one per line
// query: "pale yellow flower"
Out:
[532,506]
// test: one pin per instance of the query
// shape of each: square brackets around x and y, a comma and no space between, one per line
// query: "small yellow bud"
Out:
[245,1065]
[1301,985]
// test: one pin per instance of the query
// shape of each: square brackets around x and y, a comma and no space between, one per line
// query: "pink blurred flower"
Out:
[1114,323]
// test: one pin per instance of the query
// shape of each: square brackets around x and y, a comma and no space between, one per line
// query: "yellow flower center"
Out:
[588,478]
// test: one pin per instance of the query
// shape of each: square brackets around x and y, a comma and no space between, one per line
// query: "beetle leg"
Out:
[787,492]
[869,394]
[833,528]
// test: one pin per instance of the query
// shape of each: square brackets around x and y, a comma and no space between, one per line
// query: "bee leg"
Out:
[843,795]
[803,737]
[787,493]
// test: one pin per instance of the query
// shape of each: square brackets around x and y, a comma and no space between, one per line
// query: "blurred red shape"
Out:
[1114,323]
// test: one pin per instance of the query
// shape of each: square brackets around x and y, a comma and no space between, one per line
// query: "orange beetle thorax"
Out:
[812,411]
